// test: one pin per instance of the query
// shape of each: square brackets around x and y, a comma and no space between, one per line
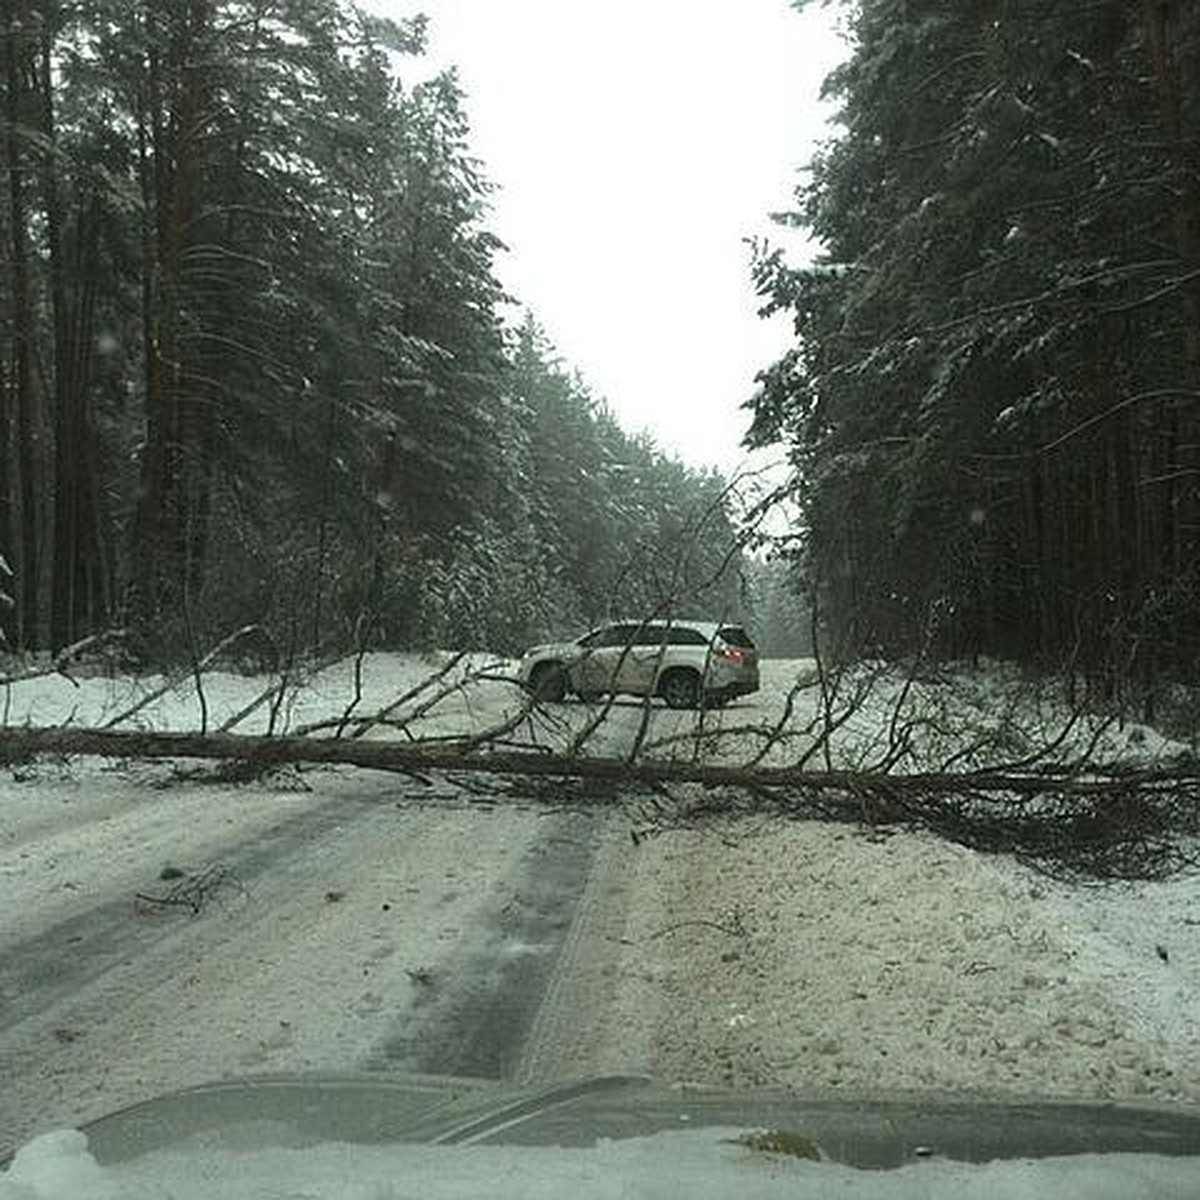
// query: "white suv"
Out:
[687,663]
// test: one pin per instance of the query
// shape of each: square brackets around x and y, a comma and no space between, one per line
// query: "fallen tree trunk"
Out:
[1111,821]
[20,743]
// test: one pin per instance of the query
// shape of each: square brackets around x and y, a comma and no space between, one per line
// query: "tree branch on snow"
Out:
[388,709]
[68,654]
[386,717]
[191,889]
[175,678]
[268,695]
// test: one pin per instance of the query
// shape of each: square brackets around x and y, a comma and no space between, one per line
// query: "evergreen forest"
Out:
[256,365]
[992,404]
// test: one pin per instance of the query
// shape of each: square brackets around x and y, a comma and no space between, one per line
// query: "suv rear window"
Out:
[735,635]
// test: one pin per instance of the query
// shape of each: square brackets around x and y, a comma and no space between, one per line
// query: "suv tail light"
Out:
[732,654]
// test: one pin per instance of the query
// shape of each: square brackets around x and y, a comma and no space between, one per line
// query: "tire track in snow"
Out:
[36,972]
[309,970]
[476,1023]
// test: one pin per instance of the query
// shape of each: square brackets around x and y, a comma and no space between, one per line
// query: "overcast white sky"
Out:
[636,144]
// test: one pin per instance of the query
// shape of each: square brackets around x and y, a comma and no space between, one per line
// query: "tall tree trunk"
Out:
[1179,498]
[8,389]
[78,601]
[66,433]
[171,518]
[24,400]
[7,523]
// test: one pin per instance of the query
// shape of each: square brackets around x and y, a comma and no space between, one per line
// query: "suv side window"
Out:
[683,635]
[612,635]
[650,635]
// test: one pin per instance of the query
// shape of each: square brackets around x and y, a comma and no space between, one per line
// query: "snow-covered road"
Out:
[354,925]
[359,922]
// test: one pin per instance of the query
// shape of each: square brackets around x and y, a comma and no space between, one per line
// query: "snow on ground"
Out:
[367,894]
[699,1165]
[751,952]
[345,688]
[816,957]
[65,835]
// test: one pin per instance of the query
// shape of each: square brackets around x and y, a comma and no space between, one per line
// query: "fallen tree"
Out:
[1110,821]
[423,757]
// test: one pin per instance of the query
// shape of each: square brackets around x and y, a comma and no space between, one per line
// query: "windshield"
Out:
[834,364]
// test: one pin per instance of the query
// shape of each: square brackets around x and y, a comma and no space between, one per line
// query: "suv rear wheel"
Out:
[680,688]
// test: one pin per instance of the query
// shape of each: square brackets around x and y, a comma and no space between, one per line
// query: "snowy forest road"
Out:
[343,923]
[350,921]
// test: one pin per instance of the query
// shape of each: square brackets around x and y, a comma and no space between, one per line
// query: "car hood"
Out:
[863,1132]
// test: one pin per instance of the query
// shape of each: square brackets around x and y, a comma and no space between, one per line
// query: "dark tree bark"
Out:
[24,404]
[170,524]
[77,578]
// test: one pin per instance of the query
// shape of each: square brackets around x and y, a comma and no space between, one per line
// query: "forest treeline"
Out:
[993,402]
[255,362]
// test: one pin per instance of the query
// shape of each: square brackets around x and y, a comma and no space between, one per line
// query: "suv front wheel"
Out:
[680,689]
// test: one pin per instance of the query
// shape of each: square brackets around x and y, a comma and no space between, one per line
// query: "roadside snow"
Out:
[347,688]
[815,957]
